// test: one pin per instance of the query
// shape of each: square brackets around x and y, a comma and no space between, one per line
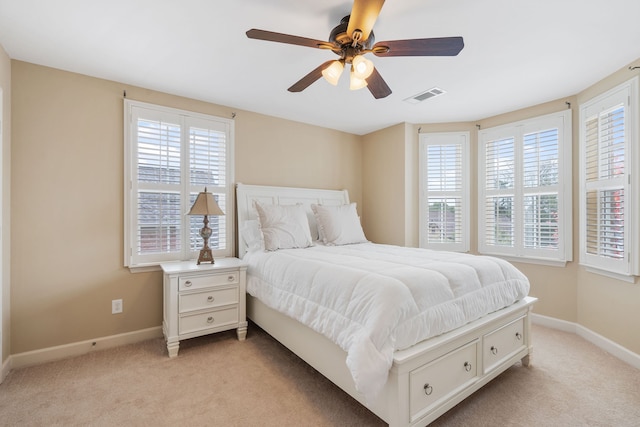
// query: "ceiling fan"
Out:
[352,39]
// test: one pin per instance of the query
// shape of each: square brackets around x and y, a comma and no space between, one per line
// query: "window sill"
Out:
[610,274]
[144,268]
[529,260]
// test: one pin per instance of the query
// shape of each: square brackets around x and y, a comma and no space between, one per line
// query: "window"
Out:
[608,190]
[170,156]
[444,191]
[525,190]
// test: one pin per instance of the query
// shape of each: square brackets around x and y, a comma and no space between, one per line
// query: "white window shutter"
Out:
[444,191]
[170,156]
[524,190]
[609,207]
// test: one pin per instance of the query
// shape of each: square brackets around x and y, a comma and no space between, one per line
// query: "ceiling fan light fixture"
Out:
[362,67]
[333,72]
[356,82]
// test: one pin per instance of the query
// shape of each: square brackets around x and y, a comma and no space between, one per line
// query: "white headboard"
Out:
[246,194]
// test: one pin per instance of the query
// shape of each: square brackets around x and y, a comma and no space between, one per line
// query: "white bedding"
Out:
[372,299]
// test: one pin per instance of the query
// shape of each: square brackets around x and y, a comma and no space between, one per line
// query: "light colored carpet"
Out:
[219,381]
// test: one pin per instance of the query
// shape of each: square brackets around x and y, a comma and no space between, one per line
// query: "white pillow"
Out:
[283,226]
[339,225]
[251,235]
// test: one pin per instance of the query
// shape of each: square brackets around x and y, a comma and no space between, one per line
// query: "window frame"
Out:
[186,119]
[517,131]
[625,94]
[445,139]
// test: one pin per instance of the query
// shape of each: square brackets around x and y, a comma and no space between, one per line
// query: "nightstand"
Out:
[203,299]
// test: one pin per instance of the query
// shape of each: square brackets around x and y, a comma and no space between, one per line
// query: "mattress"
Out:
[373,299]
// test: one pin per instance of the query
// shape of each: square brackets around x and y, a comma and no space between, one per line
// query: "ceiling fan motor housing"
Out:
[339,35]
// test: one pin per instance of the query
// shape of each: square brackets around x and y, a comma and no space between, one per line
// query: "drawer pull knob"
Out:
[428,389]
[210,319]
[210,298]
[187,283]
[231,278]
[494,349]
[467,366]
[518,336]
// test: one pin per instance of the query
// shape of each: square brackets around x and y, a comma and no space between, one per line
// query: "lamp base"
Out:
[205,256]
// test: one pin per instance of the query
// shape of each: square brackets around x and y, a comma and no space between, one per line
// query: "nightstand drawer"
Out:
[208,320]
[195,282]
[208,299]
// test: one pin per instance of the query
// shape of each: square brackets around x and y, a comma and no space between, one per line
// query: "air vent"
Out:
[431,93]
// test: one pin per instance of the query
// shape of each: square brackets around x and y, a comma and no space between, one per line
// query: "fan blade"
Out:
[289,39]
[444,46]
[363,15]
[377,86]
[310,78]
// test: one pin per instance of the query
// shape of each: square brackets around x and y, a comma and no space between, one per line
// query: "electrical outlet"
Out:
[116,306]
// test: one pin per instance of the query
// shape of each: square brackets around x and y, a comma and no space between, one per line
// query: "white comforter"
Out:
[372,299]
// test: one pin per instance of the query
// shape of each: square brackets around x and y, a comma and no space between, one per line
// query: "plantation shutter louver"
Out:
[207,154]
[159,209]
[500,179]
[540,165]
[444,199]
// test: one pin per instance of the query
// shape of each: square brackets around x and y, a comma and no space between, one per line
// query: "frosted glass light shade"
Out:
[333,72]
[355,82]
[362,67]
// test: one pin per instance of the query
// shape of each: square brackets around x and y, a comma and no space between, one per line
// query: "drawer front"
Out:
[194,282]
[208,320]
[207,299]
[502,344]
[437,380]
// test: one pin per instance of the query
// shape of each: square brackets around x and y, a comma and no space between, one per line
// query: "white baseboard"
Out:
[598,340]
[36,357]
[50,354]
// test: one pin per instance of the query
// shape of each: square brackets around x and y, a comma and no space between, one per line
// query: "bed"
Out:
[404,362]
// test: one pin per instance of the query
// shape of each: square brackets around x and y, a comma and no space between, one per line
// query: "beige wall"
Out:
[5,193]
[383,178]
[68,161]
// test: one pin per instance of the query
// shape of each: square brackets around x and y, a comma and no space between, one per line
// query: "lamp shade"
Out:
[205,204]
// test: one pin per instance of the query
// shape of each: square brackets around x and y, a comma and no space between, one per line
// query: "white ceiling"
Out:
[517,53]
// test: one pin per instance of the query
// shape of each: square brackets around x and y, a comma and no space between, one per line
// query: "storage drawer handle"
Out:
[231,278]
[428,389]
[467,366]
[187,283]
[210,319]
[518,336]
[494,349]
[210,298]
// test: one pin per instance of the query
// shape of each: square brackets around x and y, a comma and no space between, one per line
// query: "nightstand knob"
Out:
[210,298]
[210,319]
[428,389]
[187,283]
[231,278]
